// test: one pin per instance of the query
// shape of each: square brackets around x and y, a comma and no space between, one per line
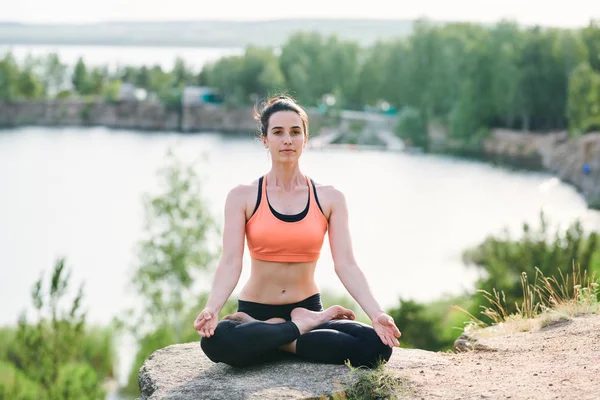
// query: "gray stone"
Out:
[182,371]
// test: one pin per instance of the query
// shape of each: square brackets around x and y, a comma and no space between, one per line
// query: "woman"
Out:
[284,217]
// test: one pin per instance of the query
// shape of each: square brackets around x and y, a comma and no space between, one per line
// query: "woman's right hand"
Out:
[206,322]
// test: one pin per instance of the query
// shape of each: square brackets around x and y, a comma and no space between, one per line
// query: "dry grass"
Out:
[545,301]
[374,384]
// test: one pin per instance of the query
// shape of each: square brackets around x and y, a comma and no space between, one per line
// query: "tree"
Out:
[178,246]
[412,128]
[29,84]
[9,73]
[371,82]
[50,351]
[260,73]
[180,75]
[80,77]
[54,75]
[591,38]
[583,106]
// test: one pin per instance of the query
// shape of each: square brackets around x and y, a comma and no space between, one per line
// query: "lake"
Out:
[77,192]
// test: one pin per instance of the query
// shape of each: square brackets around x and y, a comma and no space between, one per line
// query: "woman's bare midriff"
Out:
[279,283]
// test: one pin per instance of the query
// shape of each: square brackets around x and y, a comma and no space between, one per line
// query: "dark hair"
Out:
[275,104]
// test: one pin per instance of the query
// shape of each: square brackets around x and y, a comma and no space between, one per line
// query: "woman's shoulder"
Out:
[242,192]
[328,192]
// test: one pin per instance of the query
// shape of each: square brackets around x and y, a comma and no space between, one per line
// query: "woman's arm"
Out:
[350,273]
[229,268]
[345,264]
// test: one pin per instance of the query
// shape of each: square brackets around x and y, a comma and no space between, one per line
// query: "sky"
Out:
[573,13]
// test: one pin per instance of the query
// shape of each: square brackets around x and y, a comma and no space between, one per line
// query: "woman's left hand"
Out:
[387,330]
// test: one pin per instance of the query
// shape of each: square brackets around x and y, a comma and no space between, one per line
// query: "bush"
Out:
[503,259]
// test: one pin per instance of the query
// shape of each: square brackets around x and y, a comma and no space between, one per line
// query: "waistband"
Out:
[263,312]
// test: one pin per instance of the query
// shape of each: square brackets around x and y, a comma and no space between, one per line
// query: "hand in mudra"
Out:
[387,330]
[206,323]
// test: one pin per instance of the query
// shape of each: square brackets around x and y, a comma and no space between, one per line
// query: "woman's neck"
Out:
[287,178]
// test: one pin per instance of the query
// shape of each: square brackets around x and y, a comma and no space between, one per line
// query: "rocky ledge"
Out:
[182,371]
[560,360]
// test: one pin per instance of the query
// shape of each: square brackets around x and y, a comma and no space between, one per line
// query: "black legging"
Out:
[335,342]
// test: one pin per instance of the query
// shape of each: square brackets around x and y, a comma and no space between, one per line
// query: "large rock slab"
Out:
[182,371]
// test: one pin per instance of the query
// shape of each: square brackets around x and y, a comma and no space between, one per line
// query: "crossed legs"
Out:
[329,336]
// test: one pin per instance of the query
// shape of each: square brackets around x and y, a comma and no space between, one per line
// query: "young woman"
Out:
[284,216]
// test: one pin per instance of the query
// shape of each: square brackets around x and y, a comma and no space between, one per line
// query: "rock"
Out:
[182,371]
[466,343]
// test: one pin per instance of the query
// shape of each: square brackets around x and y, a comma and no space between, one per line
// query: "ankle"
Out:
[290,347]
[275,321]
[302,327]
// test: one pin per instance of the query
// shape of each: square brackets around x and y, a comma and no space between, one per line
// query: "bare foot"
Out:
[243,317]
[239,316]
[307,320]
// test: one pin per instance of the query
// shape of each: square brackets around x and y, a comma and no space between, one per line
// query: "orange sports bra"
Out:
[272,236]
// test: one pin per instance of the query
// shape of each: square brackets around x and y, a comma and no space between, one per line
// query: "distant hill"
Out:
[199,33]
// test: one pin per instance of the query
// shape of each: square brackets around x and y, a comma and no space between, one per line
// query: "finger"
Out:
[394,327]
[390,343]
[199,322]
[384,340]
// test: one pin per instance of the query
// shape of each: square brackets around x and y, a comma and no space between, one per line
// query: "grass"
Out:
[372,384]
[545,301]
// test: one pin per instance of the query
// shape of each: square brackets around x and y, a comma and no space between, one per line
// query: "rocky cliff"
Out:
[576,161]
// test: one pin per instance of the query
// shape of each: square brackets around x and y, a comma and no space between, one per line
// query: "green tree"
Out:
[178,246]
[9,74]
[80,77]
[49,351]
[371,82]
[30,86]
[583,106]
[591,38]
[412,128]
[225,74]
[54,75]
[181,75]
[505,39]
[302,60]
[466,117]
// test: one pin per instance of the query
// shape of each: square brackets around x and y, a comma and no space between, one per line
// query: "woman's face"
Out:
[285,136]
